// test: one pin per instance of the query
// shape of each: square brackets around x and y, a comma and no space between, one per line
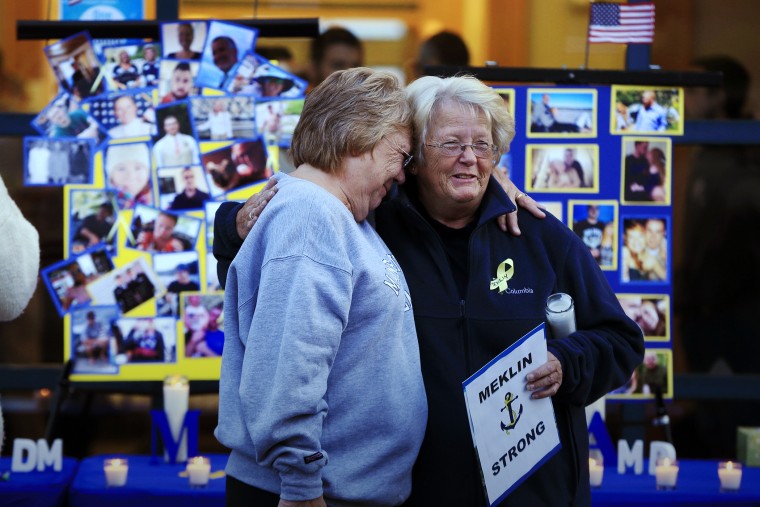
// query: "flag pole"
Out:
[588,29]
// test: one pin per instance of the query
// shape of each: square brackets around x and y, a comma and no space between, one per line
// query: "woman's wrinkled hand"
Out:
[251,210]
[545,380]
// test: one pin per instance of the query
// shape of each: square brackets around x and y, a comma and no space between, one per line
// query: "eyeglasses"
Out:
[407,157]
[453,149]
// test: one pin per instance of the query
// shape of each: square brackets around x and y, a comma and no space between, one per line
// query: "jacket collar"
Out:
[496,202]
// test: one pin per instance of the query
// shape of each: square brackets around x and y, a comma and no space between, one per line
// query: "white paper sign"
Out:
[513,434]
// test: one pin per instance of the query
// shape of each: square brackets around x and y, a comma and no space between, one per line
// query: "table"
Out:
[151,482]
[36,489]
[698,484]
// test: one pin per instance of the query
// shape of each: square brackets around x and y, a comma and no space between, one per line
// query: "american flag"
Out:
[622,23]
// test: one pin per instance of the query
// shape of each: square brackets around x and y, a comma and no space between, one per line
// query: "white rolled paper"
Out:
[560,315]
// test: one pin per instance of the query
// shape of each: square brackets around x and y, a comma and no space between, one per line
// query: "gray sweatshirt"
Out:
[320,390]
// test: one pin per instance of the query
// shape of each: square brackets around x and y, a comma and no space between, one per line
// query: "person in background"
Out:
[150,67]
[161,237]
[225,54]
[195,319]
[181,283]
[144,343]
[651,117]
[175,148]
[544,118]
[334,49]
[219,122]
[636,167]
[71,123]
[658,192]
[443,48]
[130,124]
[185,36]
[96,227]
[95,340]
[181,84]
[128,171]
[19,263]
[190,197]
[722,195]
[591,231]
[313,253]
[125,73]
[19,258]
[653,377]
[210,343]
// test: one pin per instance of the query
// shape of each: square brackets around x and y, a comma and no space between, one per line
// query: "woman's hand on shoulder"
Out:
[251,210]
[508,222]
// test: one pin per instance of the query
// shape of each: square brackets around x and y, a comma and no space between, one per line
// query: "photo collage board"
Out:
[599,158]
[147,139]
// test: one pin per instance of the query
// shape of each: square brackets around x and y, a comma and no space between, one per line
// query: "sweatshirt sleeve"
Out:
[608,346]
[19,258]
[227,243]
[301,312]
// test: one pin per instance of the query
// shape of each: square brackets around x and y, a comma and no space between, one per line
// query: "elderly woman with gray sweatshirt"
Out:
[321,397]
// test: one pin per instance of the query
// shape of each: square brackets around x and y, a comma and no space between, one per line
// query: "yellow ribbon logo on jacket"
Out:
[504,273]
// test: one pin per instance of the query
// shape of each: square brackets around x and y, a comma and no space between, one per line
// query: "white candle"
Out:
[666,474]
[596,472]
[116,471]
[560,314]
[176,396]
[730,475]
[198,469]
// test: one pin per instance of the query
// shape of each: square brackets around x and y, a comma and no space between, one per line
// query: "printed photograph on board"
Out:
[562,168]
[561,112]
[645,254]
[646,110]
[596,224]
[651,312]
[647,170]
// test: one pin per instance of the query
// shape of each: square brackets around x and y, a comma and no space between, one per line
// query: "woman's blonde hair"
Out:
[348,114]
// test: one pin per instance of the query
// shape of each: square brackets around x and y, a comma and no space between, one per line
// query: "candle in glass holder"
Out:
[198,469]
[730,475]
[560,314]
[666,473]
[116,471]
[596,472]
[176,399]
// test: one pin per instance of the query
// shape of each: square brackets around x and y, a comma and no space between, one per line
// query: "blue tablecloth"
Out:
[36,489]
[150,483]
[698,484]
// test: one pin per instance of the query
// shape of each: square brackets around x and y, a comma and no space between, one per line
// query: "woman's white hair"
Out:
[429,92]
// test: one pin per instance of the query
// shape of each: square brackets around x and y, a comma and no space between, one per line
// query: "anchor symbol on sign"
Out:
[514,416]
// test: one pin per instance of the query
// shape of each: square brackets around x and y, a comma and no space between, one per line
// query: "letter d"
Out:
[20,447]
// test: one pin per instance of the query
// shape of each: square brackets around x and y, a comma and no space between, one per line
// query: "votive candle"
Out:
[596,472]
[666,473]
[730,475]
[198,469]
[116,471]
[560,314]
